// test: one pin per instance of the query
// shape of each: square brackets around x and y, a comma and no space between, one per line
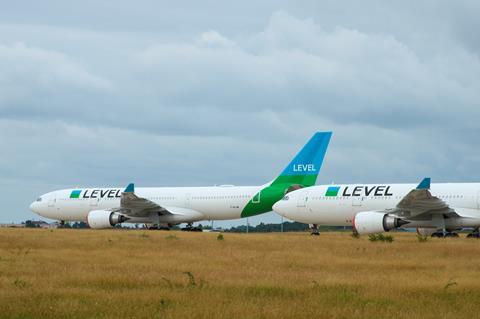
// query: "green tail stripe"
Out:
[263,201]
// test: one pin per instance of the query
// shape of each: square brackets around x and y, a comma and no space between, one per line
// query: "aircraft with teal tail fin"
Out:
[107,207]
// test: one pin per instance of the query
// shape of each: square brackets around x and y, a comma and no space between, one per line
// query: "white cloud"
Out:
[214,39]
[45,69]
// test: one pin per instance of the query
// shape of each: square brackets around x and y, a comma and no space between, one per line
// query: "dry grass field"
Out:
[145,274]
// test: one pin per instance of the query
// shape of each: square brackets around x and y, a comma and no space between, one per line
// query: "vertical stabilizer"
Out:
[302,171]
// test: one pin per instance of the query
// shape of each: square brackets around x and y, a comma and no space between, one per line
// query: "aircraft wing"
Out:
[132,205]
[420,204]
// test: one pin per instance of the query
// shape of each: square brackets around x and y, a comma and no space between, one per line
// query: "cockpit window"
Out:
[39,199]
[285,197]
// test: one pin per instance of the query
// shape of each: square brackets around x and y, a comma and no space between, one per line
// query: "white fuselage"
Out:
[318,205]
[206,203]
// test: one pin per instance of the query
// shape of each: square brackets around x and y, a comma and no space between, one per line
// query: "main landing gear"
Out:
[474,234]
[190,227]
[159,227]
[314,230]
[444,234]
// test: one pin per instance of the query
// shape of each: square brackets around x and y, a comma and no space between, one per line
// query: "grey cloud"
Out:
[292,63]
[295,63]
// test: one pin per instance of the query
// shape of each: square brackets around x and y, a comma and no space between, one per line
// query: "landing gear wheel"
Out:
[438,235]
[189,227]
[474,234]
[454,235]
[314,230]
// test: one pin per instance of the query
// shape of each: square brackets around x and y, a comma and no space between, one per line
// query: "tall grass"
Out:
[124,274]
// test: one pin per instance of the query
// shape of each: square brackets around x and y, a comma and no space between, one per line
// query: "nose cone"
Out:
[33,207]
[280,207]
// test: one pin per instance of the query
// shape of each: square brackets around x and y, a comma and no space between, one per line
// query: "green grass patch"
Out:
[380,237]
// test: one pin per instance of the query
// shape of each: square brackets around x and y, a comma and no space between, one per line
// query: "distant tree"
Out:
[80,225]
[30,224]
[287,227]
[66,225]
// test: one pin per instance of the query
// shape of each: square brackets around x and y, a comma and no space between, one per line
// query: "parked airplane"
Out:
[106,207]
[437,209]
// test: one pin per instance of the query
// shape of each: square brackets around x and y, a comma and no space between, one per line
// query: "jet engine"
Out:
[375,222]
[104,219]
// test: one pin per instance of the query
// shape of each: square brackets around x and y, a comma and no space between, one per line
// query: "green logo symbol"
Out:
[332,191]
[75,193]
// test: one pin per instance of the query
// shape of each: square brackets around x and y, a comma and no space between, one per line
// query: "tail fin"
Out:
[305,167]
[302,171]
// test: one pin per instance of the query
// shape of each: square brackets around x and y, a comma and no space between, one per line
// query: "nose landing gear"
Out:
[314,230]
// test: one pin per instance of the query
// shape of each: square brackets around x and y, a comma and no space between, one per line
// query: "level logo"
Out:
[96,193]
[365,191]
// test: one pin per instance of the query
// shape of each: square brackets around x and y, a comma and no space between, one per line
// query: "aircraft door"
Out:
[94,202]
[357,201]
[478,200]
[188,197]
[302,202]
[256,198]
[52,200]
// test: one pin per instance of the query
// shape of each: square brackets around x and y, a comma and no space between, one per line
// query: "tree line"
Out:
[260,228]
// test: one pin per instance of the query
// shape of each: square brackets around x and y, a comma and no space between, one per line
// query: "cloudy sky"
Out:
[215,92]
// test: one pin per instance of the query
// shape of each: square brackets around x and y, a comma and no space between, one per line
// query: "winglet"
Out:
[424,184]
[130,188]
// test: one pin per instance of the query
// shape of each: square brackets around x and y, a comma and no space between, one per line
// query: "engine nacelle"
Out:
[375,222]
[104,219]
